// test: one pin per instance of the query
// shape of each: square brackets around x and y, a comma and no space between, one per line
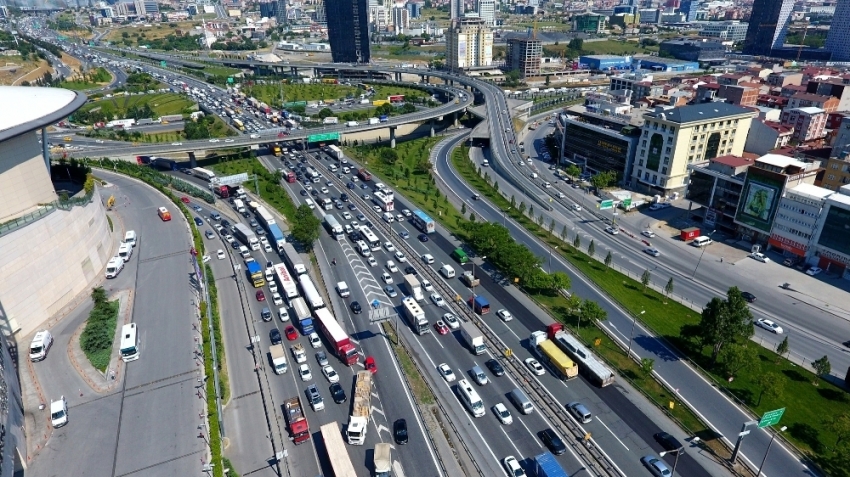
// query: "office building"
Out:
[639,84]
[716,185]
[487,10]
[456,9]
[694,50]
[280,11]
[768,26]
[348,30]
[832,248]
[268,9]
[469,44]
[523,55]
[733,30]
[798,218]
[838,39]
[689,9]
[590,23]
[414,9]
[400,18]
[605,62]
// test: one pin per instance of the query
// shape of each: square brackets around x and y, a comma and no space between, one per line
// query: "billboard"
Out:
[759,199]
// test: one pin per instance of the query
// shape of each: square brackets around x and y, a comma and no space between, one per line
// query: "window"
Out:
[643,143]
[831,177]
[664,170]
[640,162]
[670,140]
[646,176]
[835,165]
[668,150]
[666,160]
[691,158]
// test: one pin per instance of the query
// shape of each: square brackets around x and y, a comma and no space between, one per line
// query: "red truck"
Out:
[222,191]
[334,333]
[364,175]
[299,430]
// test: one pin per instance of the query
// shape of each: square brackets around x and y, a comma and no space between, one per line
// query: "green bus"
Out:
[459,255]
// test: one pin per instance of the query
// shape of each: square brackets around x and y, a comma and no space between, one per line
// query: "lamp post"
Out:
[781,429]
[632,333]
[678,453]
[700,256]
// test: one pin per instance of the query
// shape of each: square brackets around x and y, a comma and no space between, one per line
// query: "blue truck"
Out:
[277,237]
[480,305]
[255,274]
[545,465]
[384,118]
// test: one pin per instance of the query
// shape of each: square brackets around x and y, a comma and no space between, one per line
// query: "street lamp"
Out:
[678,453]
[550,258]
[781,429]
[700,256]
[632,333]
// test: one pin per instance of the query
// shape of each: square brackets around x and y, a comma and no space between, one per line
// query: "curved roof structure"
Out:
[27,108]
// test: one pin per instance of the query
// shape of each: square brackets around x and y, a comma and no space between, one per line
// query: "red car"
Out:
[441,327]
[370,365]
[261,296]
[291,334]
[184,199]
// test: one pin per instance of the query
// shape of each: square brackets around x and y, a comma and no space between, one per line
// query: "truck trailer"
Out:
[278,358]
[336,336]
[416,316]
[296,421]
[473,338]
[303,315]
[413,286]
[361,409]
[288,287]
[293,260]
[246,236]
[548,352]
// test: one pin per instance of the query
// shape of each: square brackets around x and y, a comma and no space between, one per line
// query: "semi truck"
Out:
[246,235]
[416,316]
[277,237]
[594,370]
[548,352]
[414,288]
[335,151]
[293,260]
[383,460]
[278,358]
[288,287]
[545,465]
[479,305]
[473,338]
[303,315]
[469,279]
[296,421]
[334,228]
[361,409]
[255,273]
[311,294]
[336,336]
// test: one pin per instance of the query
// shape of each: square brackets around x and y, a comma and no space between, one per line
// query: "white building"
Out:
[732,30]
[487,10]
[798,218]
[838,39]
[400,19]
[469,44]
[832,249]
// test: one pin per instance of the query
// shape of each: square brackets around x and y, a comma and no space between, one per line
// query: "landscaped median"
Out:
[98,336]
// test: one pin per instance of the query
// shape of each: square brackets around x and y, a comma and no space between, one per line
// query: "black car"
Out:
[495,367]
[235,245]
[553,442]
[246,214]
[198,221]
[355,307]
[337,393]
[343,197]
[274,336]
[370,224]
[423,237]
[253,223]
[352,207]
[225,223]
[314,193]
[668,442]
[408,270]
[350,185]
[303,192]
[749,297]
[400,431]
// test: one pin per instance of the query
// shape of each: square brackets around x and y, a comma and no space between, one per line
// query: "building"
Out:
[281,14]
[469,44]
[766,136]
[716,185]
[832,249]
[694,50]
[732,94]
[457,9]
[268,9]
[590,23]
[768,26]
[785,78]
[732,30]
[838,39]
[414,9]
[639,84]
[523,55]
[400,19]
[605,62]
[487,10]
[672,138]
[803,100]
[348,30]
[650,16]
[809,123]
[837,173]
[837,87]
[659,64]
[689,9]
[841,142]
[798,218]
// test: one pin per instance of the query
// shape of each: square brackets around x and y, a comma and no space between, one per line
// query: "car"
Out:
[503,414]
[290,332]
[389,247]
[390,290]
[505,315]
[579,412]
[576,207]
[233,243]
[451,320]
[813,271]
[370,365]
[446,372]
[400,431]
[267,248]
[324,190]
[648,233]
[276,298]
[612,230]
[330,374]
[406,212]
[213,140]
[769,325]
[303,192]
[553,441]
[441,327]
[366,197]
[304,372]
[668,442]
[361,217]
[274,336]
[355,307]
[428,258]
[391,266]
[387,278]
[438,300]
[59,412]
[652,251]
[427,285]
[260,295]
[495,367]
[656,466]
[314,398]
[197,208]
[273,289]
[535,366]
[372,262]
[513,467]
[749,297]
[337,393]
[403,234]
[346,215]
[400,256]
[759,257]
[198,221]
[423,237]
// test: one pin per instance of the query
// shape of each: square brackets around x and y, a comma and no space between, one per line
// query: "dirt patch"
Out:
[72,62]
[12,68]
[33,75]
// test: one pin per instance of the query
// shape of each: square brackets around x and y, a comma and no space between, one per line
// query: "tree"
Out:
[564,233]
[521,208]
[551,226]
[513,202]
[736,356]
[98,295]
[540,219]
[668,289]
[770,385]
[576,44]
[463,208]
[821,366]
[496,186]
[603,179]
[838,425]
[781,349]
[472,216]
[646,365]
[559,281]
[591,247]
[389,156]
[573,171]
[577,242]
[325,112]
[305,227]
[608,259]
[645,279]
[573,304]
[724,321]
[591,311]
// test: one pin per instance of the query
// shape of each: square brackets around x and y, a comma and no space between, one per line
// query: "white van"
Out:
[388,217]
[448,271]
[40,344]
[114,267]
[485,163]
[310,203]
[342,289]
[130,238]
[125,251]
[701,241]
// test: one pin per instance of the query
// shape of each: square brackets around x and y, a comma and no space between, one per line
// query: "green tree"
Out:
[608,259]
[591,248]
[472,216]
[573,304]
[577,242]
[513,202]
[736,356]
[646,365]
[573,171]
[521,208]
[838,425]
[551,226]
[389,156]
[564,233]
[668,289]
[463,208]
[559,281]
[781,349]
[645,279]
[821,366]
[305,227]
[98,295]
[496,186]
[325,112]
[591,311]
[770,386]
[576,44]
[603,179]
[724,321]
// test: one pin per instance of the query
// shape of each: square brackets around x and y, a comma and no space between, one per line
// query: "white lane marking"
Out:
[612,433]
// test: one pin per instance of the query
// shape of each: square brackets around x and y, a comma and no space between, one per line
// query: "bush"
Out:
[98,336]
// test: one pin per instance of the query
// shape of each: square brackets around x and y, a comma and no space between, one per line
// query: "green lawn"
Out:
[611,47]
[270,93]
[161,103]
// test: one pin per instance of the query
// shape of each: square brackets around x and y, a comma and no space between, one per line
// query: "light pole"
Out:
[550,258]
[632,333]
[678,453]
[700,256]
[781,429]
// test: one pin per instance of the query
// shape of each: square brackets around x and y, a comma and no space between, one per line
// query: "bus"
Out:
[238,124]
[204,174]
[395,98]
[164,214]
[337,453]
[370,238]
[470,398]
[423,222]
[129,342]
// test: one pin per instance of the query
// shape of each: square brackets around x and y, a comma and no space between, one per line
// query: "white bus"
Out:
[370,238]
[470,398]
[204,174]
[129,342]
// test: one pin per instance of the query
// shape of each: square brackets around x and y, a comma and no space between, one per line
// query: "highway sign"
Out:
[162,64]
[323,137]
[771,418]
[606,204]
[294,104]
[627,203]
[230,80]
[234,179]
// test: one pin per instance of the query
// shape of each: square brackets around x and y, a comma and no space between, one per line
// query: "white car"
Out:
[612,230]
[648,233]
[505,315]
[213,140]
[652,251]
[769,325]
[576,207]
[273,286]
[346,216]
[314,339]
[387,278]
[406,212]
[446,372]
[389,247]
[428,258]
[503,414]
[438,300]
[330,374]
[176,143]
[451,320]
[400,256]
[372,262]
[813,271]
[59,412]
[304,372]
[267,248]
[228,140]
[276,299]
[513,467]
[535,366]
[759,257]
[220,254]
[391,266]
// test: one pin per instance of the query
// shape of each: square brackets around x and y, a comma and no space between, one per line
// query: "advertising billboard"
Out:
[759,199]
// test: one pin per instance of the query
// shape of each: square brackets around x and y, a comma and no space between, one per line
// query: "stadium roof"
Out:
[27,108]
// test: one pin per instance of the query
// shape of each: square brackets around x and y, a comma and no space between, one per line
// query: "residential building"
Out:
[414,9]
[798,218]
[639,84]
[674,138]
[694,50]
[732,94]
[841,142]
[838,87]
[523,54]
[400,19]
[716,185]
[766,136]
[469,44]
[832,248]
[140,7]
[457,9]
[803,100]
[487,10]
[809,123]
[731,30]
[768,26]
[838,39]
[837,173]
[785,78]
[590,23]
[348,30]
[689,9]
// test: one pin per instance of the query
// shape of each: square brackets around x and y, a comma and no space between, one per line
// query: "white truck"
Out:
[278,358]
[351,124]
[374,120]
[343,290]
[239,205]
[473,338]
[414,289]
[298,353]
[330,120]
[416,315]
[361,409]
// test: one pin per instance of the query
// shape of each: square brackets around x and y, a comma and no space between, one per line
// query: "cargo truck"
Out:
[351,124]
[469,279]
[413,286]
[472,337]
[255,274]
[246,235]
[278,358]
[288,287]
[276,150]
[277,237]
[383,460]
[336,336]
[330,120]
[548,352]
[311,294]
[303,315]
[416,316]
[298,353]
[293,260]
[239,205]
[333,227]
[480,305]
[299,430]
[593,369]
[545,465]
[364,175]
[361,409]
[335,151]
[374,121]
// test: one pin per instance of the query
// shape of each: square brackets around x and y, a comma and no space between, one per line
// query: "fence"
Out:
[43,211]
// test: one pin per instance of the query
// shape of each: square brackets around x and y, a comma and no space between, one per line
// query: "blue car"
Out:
[198,221]
[423,237]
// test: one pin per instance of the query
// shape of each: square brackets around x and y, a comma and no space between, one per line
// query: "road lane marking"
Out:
[612,433]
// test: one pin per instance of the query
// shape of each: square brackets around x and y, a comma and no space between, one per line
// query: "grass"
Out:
[161,103]
[152,32]
[271,192]
[609,47]
[98,337]
[270,93]
[411,372]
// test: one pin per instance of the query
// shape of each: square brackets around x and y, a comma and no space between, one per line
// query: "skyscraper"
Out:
[348,30]
[487,10]
[457,8]
[768,26]
[838,39]
[689,9]
[469,44]
[523,55]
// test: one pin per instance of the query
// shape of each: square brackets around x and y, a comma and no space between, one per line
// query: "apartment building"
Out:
[766,136]
[808,123]
[469,44]
[803,100]
[798,217]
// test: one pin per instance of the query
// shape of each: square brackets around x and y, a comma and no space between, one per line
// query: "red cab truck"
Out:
[296,421]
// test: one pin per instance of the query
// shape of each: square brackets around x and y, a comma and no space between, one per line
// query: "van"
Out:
[485,163]
[478,375]
[476,196]
[125,251]
[534,175]
[40,344]
[701,241]
[521,401]
[388,217]
[448,271]
[342,289]
[244,252]
[130,238]
[310,203]
[114,267]
[579,412]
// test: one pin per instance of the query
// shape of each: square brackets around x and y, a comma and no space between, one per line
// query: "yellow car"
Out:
[67,138]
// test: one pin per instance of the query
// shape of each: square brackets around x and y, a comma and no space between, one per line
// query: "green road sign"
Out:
[627,203]
[771,418]
[162,64]
[606,204]
[323,137]
[294,104]
[230,80]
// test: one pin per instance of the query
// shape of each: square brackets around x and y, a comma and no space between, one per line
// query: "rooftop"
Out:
[733,161]
[663,61]
[604,57]
[29,108]
[810,110]
[812,191]
[700,112]
[781,161]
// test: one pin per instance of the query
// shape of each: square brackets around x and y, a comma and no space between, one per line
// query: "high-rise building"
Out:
[457,9]
[523,54]
[768,26]
[400,18]
[487,10]
[414,9]
[689,9]
[268,9]
[348,30]
[469,43]
[280,11]
[838,39]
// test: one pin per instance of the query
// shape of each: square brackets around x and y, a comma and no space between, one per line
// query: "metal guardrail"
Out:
[43,211]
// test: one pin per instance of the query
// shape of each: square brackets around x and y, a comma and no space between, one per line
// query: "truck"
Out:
[311,294]
[343,290]
[545,465]
[276,149]
[142,122]
[472,337]
[298,353]
[302,314]
[293,260]
[239,205]
[364,175]
[296,421]
[374,121]
[171,118]
[278,358]
[351,124]
[333,332]
[222,191]
[469,279]
[548,352]
[413,286]
[246,235]
[255,273]
[479,305]
[361,409]
[335,151]
[384,118]
[593,369]
[383,460]
[459,255]
[277,237]
[288,287]
[330,120]
[416,315]
[334,229]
